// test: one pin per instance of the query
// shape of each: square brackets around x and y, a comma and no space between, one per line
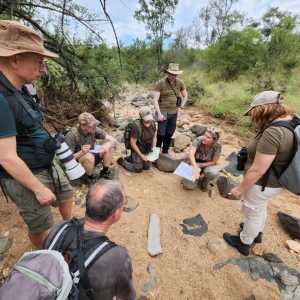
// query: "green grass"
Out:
[229,100]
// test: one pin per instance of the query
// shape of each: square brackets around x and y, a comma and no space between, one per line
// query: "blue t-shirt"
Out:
[24,122]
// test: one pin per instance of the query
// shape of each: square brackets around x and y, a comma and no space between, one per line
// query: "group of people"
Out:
[33,180]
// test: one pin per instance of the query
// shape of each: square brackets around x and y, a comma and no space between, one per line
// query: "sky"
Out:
[122,11]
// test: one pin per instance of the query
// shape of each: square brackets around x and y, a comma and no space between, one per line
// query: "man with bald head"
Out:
[111,274]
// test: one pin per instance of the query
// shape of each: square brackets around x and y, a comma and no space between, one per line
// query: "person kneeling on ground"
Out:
[82,138]
[203,156]
[28,173]
[142,139]
[110,275]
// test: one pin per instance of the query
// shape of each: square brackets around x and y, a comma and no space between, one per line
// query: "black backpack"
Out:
[81,258]
[128,129]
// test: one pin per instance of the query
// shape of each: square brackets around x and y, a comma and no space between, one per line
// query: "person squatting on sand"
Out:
[203,156]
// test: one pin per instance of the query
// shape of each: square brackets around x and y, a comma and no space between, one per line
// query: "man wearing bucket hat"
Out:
[269,153]
[169,98]
[140,138]
[27,173]
[82,141]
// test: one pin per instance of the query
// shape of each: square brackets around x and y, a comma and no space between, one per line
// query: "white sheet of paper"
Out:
[96,149]
[154,154]
[184,170]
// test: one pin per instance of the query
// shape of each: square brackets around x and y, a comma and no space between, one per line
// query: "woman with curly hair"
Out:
[268,154]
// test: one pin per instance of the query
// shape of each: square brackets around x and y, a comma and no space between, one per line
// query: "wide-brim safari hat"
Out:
[265,97]
[173,69]
[15,38]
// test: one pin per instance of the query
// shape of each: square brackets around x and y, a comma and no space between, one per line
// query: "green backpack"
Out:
[128,129]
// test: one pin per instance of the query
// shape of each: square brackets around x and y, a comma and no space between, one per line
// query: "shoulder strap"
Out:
[63,236]
[172,87]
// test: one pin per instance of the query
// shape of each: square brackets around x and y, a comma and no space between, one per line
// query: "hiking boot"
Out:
[258,239]
[120,161]
[203,184]
[235,242]
[108,173]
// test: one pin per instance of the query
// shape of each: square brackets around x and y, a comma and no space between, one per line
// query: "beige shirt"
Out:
[167,99]
[273,141]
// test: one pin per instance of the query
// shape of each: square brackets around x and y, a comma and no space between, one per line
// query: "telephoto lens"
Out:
[242,159]
[73,168]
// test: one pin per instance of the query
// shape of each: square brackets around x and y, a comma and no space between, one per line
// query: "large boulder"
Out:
[167,163]
[181,142]
[198,130]
[290,224]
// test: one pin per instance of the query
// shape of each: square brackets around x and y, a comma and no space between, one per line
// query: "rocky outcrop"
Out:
[270,268]
[181,142]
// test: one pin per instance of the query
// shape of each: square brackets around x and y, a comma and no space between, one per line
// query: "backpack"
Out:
[38,275]
[128,129]
[289,177]
[57,273]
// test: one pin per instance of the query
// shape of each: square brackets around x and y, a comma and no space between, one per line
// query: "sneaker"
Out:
[235,242]
[258,239]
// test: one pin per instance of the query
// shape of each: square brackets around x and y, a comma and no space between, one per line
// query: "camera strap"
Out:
[172,88]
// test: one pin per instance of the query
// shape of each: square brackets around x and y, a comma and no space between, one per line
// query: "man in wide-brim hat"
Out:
[27,173]
[169,98]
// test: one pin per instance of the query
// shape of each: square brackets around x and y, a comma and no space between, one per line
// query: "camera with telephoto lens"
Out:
[73,168]
[242,157]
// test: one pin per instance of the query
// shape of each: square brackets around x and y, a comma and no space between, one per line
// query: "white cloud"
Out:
[122,11]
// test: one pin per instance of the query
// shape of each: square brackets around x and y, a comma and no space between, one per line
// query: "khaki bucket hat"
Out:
[265,97]
[173,69]
[16,38]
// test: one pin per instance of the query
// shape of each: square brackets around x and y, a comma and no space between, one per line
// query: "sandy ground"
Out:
[185,269]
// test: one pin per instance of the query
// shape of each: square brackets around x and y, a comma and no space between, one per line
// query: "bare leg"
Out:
[38,239]
[107,155]
[65,208]
[88,162]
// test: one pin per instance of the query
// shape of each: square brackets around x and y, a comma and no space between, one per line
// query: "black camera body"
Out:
[242,157]
[178,101]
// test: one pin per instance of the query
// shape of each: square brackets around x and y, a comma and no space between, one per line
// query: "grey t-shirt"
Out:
[203,155]
[111,274]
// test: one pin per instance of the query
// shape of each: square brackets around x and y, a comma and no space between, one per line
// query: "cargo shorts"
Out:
[38,218]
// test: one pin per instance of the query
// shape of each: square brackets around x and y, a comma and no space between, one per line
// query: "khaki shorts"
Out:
[37,217]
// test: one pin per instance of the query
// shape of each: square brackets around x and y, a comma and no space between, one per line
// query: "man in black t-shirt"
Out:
[27,174]
[111,274]
[142,141]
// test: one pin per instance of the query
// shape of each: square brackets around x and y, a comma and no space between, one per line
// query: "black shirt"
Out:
[144,136]
[23,119]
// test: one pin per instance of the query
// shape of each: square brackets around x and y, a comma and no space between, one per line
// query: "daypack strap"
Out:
[86,251]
